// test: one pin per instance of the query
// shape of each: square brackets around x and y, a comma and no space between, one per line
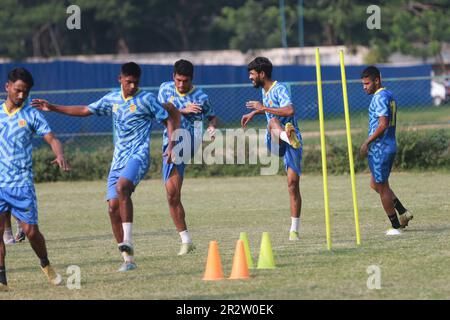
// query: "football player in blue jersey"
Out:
[194,106]
[283,136]
[18,123]
[380,147]
[132,110]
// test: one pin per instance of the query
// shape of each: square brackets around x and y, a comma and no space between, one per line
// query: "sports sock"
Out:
[44,262]
[127,228]
[8,235]
[295,224]
[284,137]
[399,207]
[3,275]
[126,257]
[185,238]
[394,221]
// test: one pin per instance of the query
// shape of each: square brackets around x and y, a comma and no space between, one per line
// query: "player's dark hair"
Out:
[184,68]
[131,69]
[21,74]
[261,64]
[371,72]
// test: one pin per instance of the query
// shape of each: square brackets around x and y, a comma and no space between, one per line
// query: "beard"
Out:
[257,84]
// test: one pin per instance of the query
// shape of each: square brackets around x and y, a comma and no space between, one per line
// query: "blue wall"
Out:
[229,103]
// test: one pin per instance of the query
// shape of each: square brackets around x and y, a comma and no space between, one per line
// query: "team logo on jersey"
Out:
[22,123]
[271,103]
[115,108]
[133,108]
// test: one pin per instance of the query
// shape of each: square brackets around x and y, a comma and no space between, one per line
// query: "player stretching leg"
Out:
[194,105]
[132,110]
[282,129]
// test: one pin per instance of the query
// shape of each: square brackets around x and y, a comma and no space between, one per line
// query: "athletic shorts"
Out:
[21,202]
[168,167]
[380,164]
[292,157]
[134,171]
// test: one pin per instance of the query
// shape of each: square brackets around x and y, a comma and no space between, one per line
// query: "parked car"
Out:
[440,91]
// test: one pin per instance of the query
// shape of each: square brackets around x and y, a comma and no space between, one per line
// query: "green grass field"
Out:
[74,219]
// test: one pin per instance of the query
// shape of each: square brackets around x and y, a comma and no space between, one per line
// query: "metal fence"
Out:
[414,98]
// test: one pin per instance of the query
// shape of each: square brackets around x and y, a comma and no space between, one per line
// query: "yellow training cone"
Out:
[240,268]
[243,236]
[213,270]
[266,260]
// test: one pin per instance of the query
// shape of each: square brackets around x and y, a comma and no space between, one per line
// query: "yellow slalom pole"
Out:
[323,148]
[350,148]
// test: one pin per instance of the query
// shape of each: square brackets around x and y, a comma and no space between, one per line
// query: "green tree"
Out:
[255,25]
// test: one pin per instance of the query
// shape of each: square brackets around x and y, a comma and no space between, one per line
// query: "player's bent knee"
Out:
[113,208]
[123,190]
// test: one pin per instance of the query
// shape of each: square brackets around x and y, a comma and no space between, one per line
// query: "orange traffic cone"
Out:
[213,270]
[240,268]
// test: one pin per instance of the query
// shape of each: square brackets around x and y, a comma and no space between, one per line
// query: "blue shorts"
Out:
[380,164]
[292,157]
[134,171]
[168,167]
[21,202]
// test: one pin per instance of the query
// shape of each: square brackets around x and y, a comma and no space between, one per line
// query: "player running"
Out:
[380,147]
[133,111]
[194,105]
[283,135]
[18,123]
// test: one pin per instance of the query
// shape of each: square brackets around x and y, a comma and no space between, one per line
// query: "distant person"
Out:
[282,131]
[194,106]
[133,111]
[380,147]
[18,123]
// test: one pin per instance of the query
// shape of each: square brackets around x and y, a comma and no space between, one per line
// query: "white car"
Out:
[440,91]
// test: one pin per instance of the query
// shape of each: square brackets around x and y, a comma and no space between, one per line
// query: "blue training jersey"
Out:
[383,104]
[132,119]
[16,135]
[278,97]
[169,93]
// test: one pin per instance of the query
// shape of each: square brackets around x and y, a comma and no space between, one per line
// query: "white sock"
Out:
[284,137]
[8,235]
[126,257]
[295,224]
[127,227]
[185,238]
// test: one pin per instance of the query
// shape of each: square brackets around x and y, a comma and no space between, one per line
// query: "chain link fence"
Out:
[414,98]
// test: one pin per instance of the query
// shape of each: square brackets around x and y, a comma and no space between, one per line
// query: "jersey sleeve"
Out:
[381,104]
[161,97]
[40,125]
[284,99]
[155,108]
[102,107]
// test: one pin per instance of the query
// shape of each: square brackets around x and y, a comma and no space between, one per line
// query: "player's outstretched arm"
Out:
[57,149]
[77,111]
[286,111]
